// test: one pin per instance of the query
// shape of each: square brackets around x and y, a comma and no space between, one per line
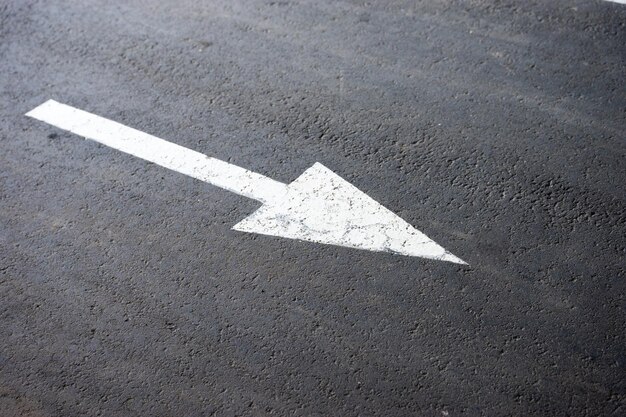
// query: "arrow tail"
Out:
[161,152]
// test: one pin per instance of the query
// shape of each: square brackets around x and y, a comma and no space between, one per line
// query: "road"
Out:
[497,128]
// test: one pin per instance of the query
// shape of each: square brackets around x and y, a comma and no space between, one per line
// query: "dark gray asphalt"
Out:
[496,127]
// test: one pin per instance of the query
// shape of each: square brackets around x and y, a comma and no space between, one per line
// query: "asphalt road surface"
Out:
[497,128]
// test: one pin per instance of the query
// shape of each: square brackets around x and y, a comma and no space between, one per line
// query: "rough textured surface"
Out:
[497,127]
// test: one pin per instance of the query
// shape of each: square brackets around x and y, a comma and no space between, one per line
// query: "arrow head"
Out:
[319,206]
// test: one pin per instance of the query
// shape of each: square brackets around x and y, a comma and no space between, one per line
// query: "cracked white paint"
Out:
[318,206]
[322,207]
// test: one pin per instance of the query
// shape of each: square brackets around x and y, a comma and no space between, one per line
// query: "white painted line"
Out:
[618,1]
[159,151]
[319,206]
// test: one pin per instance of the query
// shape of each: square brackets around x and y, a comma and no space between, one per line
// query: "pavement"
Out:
[497,128]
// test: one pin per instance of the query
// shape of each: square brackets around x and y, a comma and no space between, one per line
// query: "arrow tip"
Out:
[319,206]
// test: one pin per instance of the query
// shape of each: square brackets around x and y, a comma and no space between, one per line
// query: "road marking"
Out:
[618,1]
[158,151]
[319,206]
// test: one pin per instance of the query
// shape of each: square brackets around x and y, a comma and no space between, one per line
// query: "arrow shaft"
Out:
[161,152]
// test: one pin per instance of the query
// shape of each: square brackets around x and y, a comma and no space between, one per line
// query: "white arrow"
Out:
[318,206]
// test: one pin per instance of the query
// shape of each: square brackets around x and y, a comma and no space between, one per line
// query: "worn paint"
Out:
[322,207]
